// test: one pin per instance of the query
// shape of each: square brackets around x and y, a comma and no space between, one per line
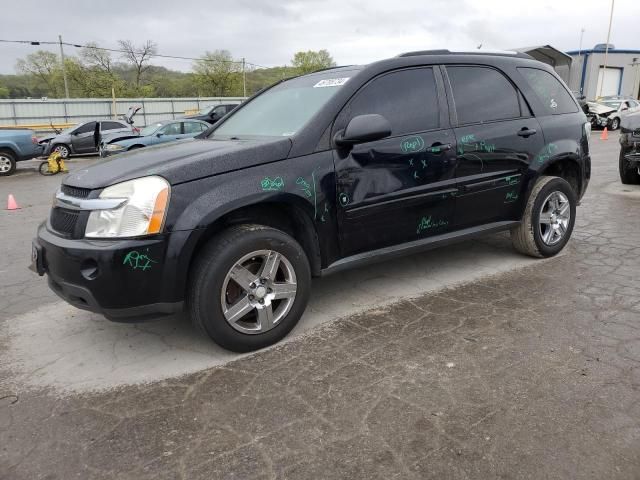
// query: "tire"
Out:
[62,149]
[537,239]
[628,174]
[615,123]
[44,169]
[7,163]
[212,289]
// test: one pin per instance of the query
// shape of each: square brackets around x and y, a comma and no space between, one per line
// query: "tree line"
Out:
[94,72]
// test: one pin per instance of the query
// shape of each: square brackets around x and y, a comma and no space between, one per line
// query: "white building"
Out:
[621,76]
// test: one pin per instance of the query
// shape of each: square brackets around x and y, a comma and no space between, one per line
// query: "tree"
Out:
[217,74]
[310,61]
[94,57]
[44,68]
[138,57]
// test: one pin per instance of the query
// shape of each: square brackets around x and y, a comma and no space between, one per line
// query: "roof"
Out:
[507,53]
[546,54]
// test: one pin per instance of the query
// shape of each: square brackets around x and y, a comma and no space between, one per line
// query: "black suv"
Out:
[316,174]
[629,161]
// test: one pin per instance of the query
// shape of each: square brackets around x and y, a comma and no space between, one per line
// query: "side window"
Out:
[111,126]
[219,111]
[230,108]
[192,127]
[482,94]
[554,96]
[407,98]
[89,127]
[171,129]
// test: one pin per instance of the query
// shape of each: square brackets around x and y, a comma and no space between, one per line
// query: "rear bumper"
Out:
[124,280]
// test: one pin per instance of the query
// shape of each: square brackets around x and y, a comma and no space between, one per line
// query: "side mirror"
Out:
[159,134]
[363,129]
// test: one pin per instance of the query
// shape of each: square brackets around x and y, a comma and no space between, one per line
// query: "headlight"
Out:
[143,213]
[113,147]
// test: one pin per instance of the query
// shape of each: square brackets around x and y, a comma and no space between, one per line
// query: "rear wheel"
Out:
[548,218]
[7,163]
[249,287]
[62,149]
[628,173]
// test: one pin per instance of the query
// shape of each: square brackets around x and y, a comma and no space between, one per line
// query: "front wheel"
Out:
[628,173]
[249,287]
[548,218]
[615,123]
[62,149]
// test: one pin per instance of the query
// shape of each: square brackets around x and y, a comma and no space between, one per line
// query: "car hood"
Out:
[116,137]
[599,108]
[182,161]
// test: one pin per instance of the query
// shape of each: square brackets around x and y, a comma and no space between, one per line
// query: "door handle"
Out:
[440,147]
[526,132]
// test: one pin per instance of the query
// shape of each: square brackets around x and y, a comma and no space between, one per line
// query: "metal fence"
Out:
[75,110]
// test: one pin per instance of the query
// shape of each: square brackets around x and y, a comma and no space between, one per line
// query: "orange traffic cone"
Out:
[605,134]
[11,203]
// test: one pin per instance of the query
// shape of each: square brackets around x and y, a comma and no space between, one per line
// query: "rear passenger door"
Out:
[401,188]
[497,138]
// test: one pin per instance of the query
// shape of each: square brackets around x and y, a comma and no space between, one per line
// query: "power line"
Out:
[116,50]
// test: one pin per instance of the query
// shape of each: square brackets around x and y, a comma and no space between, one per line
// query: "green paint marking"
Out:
[415,176]
[138,261]
[468,138]
[512,180]
[511,196]
[424,163]
[268,184]
[412,144]
[411,162]
[426,223]
[546,153]
[315,195]
[304,186]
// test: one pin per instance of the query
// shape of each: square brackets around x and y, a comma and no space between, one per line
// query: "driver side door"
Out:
[401,188]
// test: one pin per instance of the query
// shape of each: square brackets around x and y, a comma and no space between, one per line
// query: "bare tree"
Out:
[138,56]
[93,56]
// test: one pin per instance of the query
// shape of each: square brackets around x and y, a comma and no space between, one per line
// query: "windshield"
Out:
[150,129]
[612,104]
[284,109]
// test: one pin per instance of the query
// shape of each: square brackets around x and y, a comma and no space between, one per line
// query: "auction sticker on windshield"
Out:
[331,82]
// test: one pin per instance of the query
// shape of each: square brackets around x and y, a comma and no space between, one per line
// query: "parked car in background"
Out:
[608,112]
[82,138]
[212,113]
[154,134]
[17,144]
[316,174]
[629,161]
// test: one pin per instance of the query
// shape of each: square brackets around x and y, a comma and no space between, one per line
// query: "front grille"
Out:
[64,221]
[636,132]
[75,191]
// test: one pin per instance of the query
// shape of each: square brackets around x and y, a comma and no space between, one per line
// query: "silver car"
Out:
[84,137]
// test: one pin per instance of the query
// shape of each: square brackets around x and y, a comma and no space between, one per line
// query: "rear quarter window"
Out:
[554,96]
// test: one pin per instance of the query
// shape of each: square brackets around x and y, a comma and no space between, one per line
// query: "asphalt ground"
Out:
[466,362]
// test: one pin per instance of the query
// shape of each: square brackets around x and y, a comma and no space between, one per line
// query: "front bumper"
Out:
[124,279]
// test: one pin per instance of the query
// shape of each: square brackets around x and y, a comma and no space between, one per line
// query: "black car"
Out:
[316,174]
[629,161]
[212,113]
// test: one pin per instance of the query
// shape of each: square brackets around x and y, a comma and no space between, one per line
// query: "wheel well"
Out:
[568,170]
[8,150]
[133,147]
[282,216]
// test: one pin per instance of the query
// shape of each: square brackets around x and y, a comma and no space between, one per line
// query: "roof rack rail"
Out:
[510,53]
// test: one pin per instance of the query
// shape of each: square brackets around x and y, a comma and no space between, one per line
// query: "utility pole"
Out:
[606,49]
[244,79]
[64,70]
[636,90]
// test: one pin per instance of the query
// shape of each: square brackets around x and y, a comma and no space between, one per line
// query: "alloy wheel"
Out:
[554,218]
[5,164]
[258,291]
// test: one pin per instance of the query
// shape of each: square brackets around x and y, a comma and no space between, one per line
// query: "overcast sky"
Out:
[359,31]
